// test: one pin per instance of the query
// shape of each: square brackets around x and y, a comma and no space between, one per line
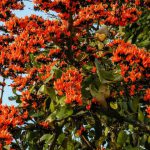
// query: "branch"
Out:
[2,92]
[87,142]
[115,114]
[58,131]
[31,127]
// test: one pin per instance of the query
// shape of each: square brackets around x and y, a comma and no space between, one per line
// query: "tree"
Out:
[81,79]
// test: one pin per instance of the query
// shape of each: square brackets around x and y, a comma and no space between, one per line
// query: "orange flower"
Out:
[70,84]
[148,111]
[5,135]
[88,107]
[133,61]
[93,70]
[80,131]
[44,124]
[9,117]
[147,95]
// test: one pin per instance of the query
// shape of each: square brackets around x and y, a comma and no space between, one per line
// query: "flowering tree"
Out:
[81,79]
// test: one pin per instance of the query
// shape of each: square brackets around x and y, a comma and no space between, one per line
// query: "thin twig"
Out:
[87,142]
[2,91]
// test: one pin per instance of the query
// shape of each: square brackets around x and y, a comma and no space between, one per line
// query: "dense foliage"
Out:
[80,78]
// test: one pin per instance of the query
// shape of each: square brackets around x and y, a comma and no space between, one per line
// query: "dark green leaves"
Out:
[47,138]
[60,113]
[64,112]
[107,76]
[122,137]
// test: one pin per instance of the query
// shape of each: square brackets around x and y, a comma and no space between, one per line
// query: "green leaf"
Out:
[101,94]
[143,139]
[58,73]
[31,89]
[107,76]
[52,106]
[60,114]
[122,137]
[63,113]
[144,43]
[48,91]
[62,101]
[140,115]
[117,75]
[80,113]
[7,147]
[14,91]
[43,89]
[101,140]
[148,139]
[131,127]
[70,145]
[51,117]
[45,137]
[87,67]
[39,114]
[98,69]
[113,105]
[48,141]
[124,106]
[48,79]
[51,93]
[106,131]
[134,104]
[61,138]
[32,59]
[11,98]
[100,45]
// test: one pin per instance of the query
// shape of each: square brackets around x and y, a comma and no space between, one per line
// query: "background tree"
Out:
[79,79]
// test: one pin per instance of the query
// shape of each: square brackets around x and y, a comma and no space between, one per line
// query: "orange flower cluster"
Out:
[9,117]
[134,62]
[31,100]
[20,82]
[122,16]
[109,13]
[45,71]
[26,98]
[135,66]
[90,13]
[29,36]
[6,6]
[53,52]
[57,5]
[70,84]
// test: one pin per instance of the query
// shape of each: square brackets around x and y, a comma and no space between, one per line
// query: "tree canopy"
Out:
[80,77]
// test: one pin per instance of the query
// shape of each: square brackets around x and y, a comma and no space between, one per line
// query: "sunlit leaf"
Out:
[61,138]
[140,115]
[122,136]
[52,106]
[113,105]
[64,112]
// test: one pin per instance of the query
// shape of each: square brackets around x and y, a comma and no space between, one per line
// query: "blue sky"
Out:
[28,10]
